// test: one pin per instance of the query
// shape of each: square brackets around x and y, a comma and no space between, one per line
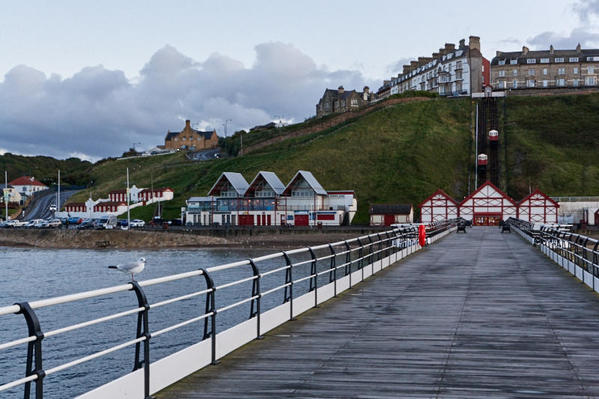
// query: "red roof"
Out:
[537,191]
[26,181]
[488,183]
[439,192]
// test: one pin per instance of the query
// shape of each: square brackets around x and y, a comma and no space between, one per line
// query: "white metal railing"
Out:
[339,262]
[576,253]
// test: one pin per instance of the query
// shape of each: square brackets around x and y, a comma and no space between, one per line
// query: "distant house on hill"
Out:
[388,214]
[340,100]
[190,139]
[27,185]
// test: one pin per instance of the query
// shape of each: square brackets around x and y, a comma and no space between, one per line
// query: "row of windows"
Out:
[546,60]
[560,71]
[588,81]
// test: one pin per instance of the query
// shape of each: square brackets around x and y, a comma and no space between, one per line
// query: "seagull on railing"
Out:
[131,267]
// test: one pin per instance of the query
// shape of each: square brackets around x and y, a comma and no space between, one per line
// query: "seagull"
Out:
[131,267]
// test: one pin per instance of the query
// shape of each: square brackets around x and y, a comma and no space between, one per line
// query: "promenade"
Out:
[481,314]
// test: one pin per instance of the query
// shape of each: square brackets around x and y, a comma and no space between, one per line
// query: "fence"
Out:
[576,253]
[325,270]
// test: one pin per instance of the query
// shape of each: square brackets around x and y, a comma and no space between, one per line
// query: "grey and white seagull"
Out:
[131,267]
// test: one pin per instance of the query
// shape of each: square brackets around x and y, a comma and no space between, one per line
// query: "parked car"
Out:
[74,220]
[86,224]
[10,223]
[121,222]
[54,223]
[137,223]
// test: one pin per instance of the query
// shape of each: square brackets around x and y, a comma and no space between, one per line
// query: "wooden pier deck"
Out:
[481,314]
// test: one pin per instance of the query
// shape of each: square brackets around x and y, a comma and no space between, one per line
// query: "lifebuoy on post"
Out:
[422,235]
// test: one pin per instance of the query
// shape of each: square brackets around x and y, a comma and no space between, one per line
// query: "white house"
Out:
[27,185]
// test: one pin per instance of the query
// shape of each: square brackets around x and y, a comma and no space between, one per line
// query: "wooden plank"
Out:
[481,314]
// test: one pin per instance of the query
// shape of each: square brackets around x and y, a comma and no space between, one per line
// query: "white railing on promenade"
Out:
[334,268]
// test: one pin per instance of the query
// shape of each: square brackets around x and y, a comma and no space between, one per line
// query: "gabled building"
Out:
[266,201]
[340,100]
[190,139]
[438,207]
[27,185]
[538,208]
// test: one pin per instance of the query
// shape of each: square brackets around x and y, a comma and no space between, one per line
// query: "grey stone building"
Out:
[341,100]
[545,69]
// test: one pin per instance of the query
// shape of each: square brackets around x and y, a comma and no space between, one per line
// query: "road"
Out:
[207,155]
[39,207]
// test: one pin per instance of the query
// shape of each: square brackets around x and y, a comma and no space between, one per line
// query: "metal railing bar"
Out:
[299,280]
[305,262]
[179,298]
[17,342]
[236,282]
[91,322]
[237,303]
[228,266]
[18,382]
[93,356]
[268,257]
[280,269]
[166,279]
[275,289]
[179,325]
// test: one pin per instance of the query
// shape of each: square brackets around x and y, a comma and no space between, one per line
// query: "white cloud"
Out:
[99,112]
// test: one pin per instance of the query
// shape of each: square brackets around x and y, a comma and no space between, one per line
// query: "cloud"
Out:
[397,66]
[582,35]
[100,112]
[586,9]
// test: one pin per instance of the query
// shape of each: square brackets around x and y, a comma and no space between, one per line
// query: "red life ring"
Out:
[422,235]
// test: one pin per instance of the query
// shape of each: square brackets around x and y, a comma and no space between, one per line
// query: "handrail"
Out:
[349,255]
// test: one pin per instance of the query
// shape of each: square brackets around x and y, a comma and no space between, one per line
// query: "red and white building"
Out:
[266,201]
[146,195]
[388,214]
[488,206]
[27,185]
[438,207]
[538,208]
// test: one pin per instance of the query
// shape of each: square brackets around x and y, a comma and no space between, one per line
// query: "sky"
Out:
[92,79]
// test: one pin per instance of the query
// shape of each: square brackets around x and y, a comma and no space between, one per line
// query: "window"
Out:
[575,70]
[590,81]
[531,72]
[590,70]
[501,84]
[544,60]
[515,72]
[544,71]
[592,58]
[575,83]
[531,60]
[559,59]
[501,62]
[545,83]
[573,59]
[515,84]
[513,62]
[530,83]
[561,71]
[561,82]
[501,74]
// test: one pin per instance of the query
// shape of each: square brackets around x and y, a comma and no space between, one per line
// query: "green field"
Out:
[397,154]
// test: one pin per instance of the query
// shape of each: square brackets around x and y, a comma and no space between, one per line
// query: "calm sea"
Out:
[32,274]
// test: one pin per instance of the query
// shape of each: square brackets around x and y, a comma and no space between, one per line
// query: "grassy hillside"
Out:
[73,170]
[400,153]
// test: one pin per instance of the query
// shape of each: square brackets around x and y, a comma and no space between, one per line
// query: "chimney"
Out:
[462,43]
[413,65]
[366,89]
[435,55]
[442,51]
[524,50]
[578,49]
[406,69]
[187,124]
[498,53]
[340,90]
[551,50]
[474,42]
[449,47]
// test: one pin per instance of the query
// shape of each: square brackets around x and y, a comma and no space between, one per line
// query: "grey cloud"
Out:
[99,112]
[586,9]
[581,35]
[397,66]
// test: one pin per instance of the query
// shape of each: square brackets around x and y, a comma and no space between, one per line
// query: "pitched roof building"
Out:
[340,100]
[545,69]
[27,185]
[190,139]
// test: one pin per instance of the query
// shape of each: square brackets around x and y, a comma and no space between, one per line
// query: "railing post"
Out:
[333,274]
[143,330]
[348,261]
[370,253]
[256,293]
[314,273]
[210,308]
[34,351]
[288,295]
[379,255]
[360,252]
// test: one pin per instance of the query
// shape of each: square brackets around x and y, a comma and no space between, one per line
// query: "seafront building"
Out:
[548,70]
[266,201]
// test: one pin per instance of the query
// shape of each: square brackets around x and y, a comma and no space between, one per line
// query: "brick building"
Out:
[545,69]
[340,100]
[449,72]
[190,139]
